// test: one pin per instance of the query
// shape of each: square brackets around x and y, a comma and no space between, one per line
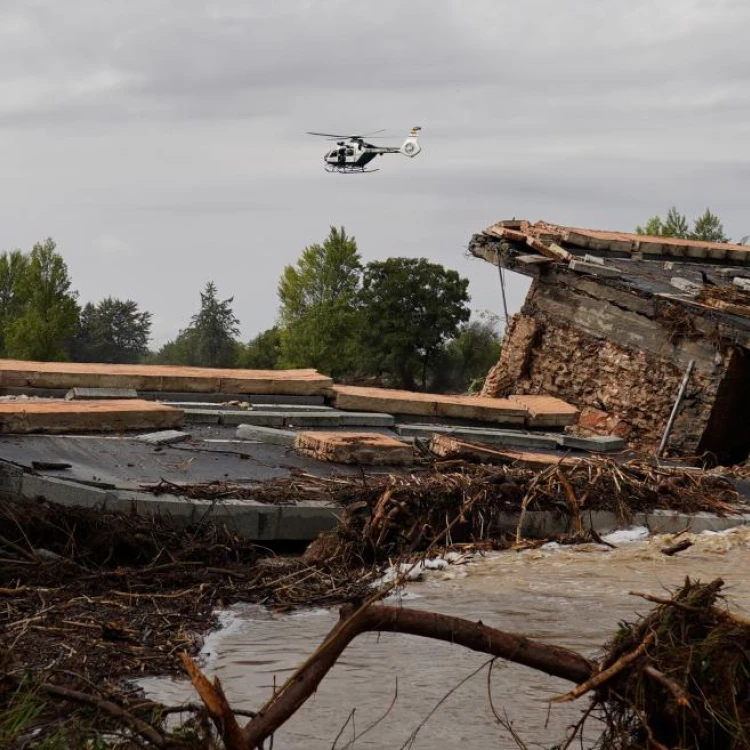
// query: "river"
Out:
[571,596]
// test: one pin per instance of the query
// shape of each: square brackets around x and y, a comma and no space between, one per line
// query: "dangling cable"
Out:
[502,289]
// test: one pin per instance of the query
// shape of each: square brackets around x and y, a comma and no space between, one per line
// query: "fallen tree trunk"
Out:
[553,660]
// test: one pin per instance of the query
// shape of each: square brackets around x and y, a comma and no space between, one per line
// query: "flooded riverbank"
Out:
[571,596]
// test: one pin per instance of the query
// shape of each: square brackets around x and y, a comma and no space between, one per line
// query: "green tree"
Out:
[47,315]
[411,307]
[707,227]
[318,312]
[13,266]
[211,338]
[674,225]
[468,357]
[262,352]
[114,331]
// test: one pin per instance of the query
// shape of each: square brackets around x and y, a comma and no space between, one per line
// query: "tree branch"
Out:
[553,660]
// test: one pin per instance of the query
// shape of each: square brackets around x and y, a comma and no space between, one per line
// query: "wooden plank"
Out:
[364,448]
[86,416]
[15,373]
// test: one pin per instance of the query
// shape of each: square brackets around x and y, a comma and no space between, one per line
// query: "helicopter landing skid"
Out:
[348,170]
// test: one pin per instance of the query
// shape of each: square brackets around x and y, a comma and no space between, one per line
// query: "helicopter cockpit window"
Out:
[350,152]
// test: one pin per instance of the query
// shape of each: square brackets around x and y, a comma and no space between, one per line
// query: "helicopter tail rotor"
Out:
[410,147]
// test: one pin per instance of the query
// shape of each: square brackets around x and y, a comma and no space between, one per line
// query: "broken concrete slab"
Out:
[595,444]
[100,394]
[547,411]
[306,419]
[382,400]
[202,416]
[217,399]
[366,419]
[294,419]
[86,416]
[686,285]
[17,373]
[354,448]
[486,435]
[448,447]
[266,435]
[164,437]
[595,269]
[258,418]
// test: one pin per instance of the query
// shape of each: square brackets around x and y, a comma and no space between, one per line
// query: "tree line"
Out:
[403,321]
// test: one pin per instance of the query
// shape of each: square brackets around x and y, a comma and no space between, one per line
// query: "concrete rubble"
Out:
[361,448]
[611,323]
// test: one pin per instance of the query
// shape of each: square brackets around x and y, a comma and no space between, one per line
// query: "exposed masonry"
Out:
[614,334]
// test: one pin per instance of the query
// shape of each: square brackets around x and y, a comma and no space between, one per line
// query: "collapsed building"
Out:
[614,323]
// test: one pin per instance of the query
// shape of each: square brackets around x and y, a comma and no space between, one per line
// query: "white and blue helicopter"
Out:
[353,153]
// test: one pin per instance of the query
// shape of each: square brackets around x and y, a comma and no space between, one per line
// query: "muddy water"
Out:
[569,596]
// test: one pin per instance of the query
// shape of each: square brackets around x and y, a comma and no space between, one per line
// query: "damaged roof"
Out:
[708,276]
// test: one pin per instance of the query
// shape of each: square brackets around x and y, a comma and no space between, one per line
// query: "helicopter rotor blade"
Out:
[334,136]
[327,135]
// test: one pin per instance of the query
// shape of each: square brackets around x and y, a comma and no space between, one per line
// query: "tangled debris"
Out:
[93,598]
[457,502]
[677,678]
[90,599]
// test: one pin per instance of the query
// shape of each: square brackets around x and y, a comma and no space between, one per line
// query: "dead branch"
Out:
[217,705]
[605,675]
[552,660]
[108,707]
[671,685]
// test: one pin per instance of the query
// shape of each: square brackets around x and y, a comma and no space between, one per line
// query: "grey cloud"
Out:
[163,143]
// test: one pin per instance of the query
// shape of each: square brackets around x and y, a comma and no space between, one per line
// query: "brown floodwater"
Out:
[572,596]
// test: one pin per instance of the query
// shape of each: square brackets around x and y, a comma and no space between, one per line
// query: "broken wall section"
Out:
[614,355]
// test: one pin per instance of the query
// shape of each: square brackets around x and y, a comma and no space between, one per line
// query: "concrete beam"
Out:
[99,394]
[506,438]
[164,437]
[266,435]
[594,444]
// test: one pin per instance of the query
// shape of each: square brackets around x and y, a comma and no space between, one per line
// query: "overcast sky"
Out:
[162,143]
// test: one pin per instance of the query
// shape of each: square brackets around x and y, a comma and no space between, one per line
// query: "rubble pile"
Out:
[612,323]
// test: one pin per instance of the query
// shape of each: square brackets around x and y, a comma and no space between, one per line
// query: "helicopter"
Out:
[353,153]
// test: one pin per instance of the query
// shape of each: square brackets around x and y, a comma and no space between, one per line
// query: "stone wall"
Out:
[613,360]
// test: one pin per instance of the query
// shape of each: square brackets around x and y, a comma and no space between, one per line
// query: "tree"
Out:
[707,227]
[319,312]
[675,225]
[13,266]
[47,312]
[467,358]
[112,331]
[411,307]
[263,352]
[211,338]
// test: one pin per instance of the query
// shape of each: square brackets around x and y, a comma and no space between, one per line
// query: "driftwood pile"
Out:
[88,599]
[456,502]
[678,678]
